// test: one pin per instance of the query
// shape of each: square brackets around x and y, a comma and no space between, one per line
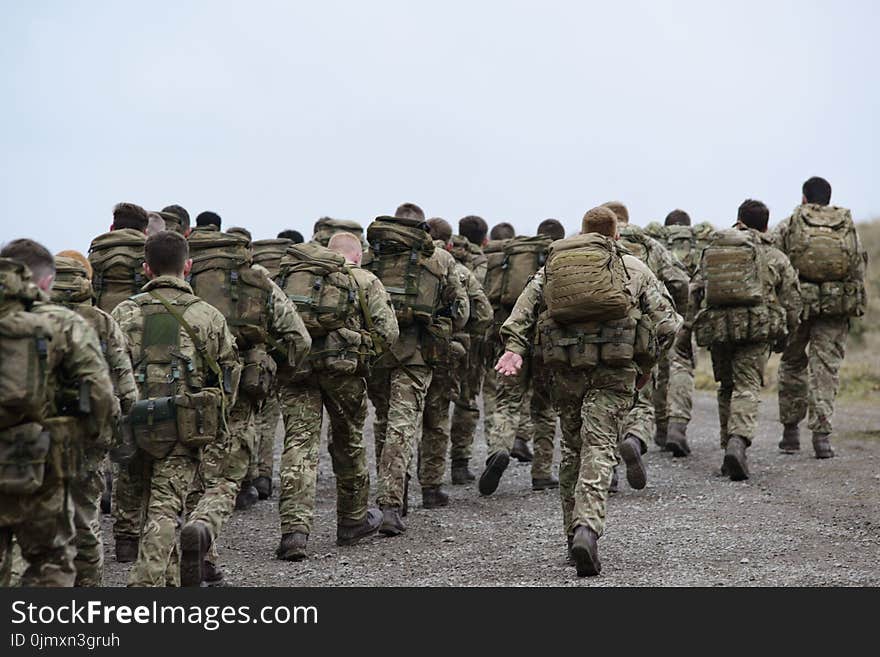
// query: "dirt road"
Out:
[796,522]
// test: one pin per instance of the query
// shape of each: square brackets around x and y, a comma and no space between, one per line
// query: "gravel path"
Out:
[796,522]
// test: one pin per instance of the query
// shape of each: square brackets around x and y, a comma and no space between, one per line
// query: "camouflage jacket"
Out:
[285,324]
[665,266]
[382,315]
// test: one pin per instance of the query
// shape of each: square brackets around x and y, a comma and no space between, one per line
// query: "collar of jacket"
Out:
[168,282]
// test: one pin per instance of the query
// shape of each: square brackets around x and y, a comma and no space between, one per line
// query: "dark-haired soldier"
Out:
[744,301]
[176,219]
[209,220]
[502,231]
[293,235]
[183,352]
[116,256]
[825,249]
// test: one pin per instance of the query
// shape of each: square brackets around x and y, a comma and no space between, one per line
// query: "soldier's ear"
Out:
[147,271]
[187,266]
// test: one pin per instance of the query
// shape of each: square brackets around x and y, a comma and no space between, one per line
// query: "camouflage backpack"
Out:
[268,254]
[732,270]
[585,279]
[117,261]
[28,355]
[72,284]
[401,256]
[635,241]
[495,258]
[523,256]
[221,274]
[327,228]
[682,243]
[823,246]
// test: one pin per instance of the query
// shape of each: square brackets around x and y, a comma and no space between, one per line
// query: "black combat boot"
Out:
[433,497]
[247,496]
[735,459]
[791,439]
[264,487]
[614,486]
[126,549]
[292,546]
[676,439]
[491,477]
[349,532]
[521,451]
[545,483]
[212,575]
[392,522]
[108,490]
[195,539]
[585,551]
[461,473]
[822,445]
[570,558]
[660,435]
[631,453]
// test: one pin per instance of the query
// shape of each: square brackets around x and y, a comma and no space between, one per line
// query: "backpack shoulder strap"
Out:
[197,341]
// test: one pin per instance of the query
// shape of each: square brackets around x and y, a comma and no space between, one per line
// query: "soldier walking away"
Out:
[72,288]
[744,303]
[349,316]
[600,319]
[824,247]
[187,369]
[176,219]
[430,305]
[56,400]
[293,235]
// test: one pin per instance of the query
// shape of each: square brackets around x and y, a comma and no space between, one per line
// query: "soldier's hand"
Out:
[509,364]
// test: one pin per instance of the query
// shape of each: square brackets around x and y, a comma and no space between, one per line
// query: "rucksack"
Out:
[732,270]
[402,257]
[268,254]
[823,245]
[466,253]
[635,242]
[586,280]
[682,242]
[523,256]
[495,258]
[221,274]
[117,261]
[327,228]
[71,284]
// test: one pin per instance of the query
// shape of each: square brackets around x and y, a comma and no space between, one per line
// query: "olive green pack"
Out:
[822,244]
[268,254]
[117,260]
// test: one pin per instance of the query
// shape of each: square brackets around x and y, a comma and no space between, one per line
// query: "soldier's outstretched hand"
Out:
[509,364]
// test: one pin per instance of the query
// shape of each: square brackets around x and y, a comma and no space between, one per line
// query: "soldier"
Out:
[176,219]
[208,221]
[325,228]
[332,379]
[447,377]
[592,311]
[267,329]
[187,373]
[744,302]
[69,407]
[639,426]
[430,305]
[293,235]
[825,249]
[72,288]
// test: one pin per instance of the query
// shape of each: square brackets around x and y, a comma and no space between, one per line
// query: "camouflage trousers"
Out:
[399,402]
[303,405]
[592,406]
[739,371]
[223,467]
[435,428]
[127,500]
[465,411]
[674,388]
[267,429]
[42,526]
[163,484]
[809,374]
[639,420]
[85,494]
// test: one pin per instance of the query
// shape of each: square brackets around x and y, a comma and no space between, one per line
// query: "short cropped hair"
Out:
[474,228]
[410,211]
[181,214]
[753,214]
[502,231]
[601,220]
[209,218]
[347,244]
[678,218]
[129,215]
[817,190]
[552,229]
[619,210]
[440,229]
[166,252]
[293,235]
[33,255]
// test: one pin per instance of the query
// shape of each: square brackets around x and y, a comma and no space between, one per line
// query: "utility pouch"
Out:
[153,424]
[66,454]
[198,417]
[24,449]
[258,374]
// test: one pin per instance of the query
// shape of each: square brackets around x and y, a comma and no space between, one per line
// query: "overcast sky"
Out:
[276,113]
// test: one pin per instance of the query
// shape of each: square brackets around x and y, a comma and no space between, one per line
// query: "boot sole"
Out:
[389,531]
[636,476]
[789,450]
[346,542]
[545,486]
[522,458]
[583,561]
[678,450]
[437,505]
[491,476]
[735,469]
[290,556]
[193,548]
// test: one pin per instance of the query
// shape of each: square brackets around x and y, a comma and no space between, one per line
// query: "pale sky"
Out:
[276,113]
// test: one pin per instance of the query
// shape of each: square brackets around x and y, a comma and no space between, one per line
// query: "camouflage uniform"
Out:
[446,383]
[592,402]
[42,523]
[162,484]
[398,385]
[809,371]
[267,429]
[87,489]
[344,397]
[226,464]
